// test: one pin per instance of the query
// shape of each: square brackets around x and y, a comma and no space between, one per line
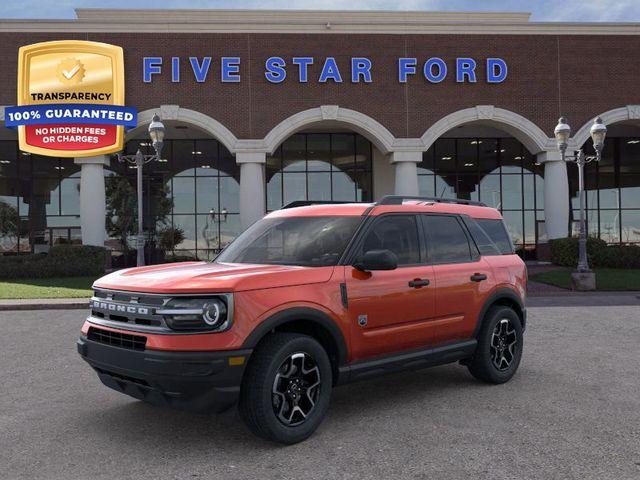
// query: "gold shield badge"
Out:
[69,96]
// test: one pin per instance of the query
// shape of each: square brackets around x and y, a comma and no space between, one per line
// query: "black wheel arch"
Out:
[307,321]
[508,298]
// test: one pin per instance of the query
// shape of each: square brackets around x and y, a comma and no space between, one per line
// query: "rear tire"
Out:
[499,349]
[286,388]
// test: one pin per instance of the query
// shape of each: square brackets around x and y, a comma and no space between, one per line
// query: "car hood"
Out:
[206,277]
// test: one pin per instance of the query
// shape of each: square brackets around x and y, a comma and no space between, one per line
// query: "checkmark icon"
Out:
[71,73]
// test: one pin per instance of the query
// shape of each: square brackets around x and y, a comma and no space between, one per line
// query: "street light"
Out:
[562,133]
[156,133]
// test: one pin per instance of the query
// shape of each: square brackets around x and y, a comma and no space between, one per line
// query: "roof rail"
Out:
[399,199]
[307,203]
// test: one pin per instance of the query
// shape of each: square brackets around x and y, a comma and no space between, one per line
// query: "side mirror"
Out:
[377,260]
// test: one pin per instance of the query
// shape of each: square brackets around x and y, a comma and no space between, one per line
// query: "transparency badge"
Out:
[70,99]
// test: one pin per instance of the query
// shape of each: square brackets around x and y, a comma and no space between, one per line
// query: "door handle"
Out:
[478,277]
[419,282]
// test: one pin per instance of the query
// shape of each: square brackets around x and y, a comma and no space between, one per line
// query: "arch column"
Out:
[252,187]
[406,171]
[556,194]
[93,208]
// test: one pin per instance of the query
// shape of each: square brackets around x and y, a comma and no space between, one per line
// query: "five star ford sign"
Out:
[70,99]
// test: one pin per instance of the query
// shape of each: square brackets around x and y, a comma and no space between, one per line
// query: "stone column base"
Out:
[583,281]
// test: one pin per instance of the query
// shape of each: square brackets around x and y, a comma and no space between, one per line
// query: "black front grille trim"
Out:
[117,339]
[125,378]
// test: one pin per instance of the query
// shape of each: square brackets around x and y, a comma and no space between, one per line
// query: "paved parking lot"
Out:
[572,411]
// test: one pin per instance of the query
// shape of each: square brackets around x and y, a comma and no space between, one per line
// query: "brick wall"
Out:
[578,76]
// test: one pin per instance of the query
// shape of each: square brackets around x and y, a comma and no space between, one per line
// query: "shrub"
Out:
[564,252]
[169,238]
[61,261]
[618,256]
[180,258]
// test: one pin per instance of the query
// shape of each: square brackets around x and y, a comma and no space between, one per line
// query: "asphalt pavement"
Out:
[572,411]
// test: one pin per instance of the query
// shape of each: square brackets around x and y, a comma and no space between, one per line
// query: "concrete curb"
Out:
[566,298]
[45,304]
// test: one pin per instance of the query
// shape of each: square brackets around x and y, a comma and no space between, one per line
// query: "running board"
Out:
[413,360]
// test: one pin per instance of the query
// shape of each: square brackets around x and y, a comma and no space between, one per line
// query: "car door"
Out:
[462,277]
[391,310]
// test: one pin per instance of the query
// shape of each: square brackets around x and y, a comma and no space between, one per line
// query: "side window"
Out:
[497,232]
[483,242]
[397,233]
[446,240]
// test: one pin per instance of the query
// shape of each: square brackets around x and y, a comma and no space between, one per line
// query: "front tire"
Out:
[286,388]
[499,349]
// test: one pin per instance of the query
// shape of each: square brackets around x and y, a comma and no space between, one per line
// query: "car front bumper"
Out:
[195,381]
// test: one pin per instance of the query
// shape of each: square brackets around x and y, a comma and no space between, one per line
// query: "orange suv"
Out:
[308,298]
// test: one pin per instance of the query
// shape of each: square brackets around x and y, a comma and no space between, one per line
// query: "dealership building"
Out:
[263,108]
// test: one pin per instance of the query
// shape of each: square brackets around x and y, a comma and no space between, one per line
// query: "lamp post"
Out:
[562,133]
[156,133]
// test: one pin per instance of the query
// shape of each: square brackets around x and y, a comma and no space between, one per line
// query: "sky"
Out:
[542,10]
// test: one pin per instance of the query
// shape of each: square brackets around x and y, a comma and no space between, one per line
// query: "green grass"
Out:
[69,287]
[607,279]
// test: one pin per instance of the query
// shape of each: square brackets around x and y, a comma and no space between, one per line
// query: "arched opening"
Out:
[612,186]
[327,154]
[483,162]
[39,199]
[191,197]
[321,163]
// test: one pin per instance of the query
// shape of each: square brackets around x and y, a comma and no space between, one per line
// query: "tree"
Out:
[122,208]
[169,237]
[9,222]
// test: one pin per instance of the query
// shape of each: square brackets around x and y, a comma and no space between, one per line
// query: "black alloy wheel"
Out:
[296,389]
[500,346]
[286,388]
[504,344]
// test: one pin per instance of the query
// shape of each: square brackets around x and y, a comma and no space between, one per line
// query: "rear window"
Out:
[497,232]
[485,245]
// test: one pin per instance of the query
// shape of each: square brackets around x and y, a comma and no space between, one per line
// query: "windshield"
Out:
[303,241]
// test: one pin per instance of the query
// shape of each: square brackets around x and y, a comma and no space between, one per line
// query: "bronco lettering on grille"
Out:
[115,307]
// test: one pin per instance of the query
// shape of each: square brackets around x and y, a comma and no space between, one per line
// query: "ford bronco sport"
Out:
[308,298]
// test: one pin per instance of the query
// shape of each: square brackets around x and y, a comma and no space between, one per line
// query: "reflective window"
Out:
[193,191]
[304,241]
[446,240]
[319,167]
[499,172]
[39,200]
[612,191]
[630,226]
[485,244]
[398,234]
[496,231]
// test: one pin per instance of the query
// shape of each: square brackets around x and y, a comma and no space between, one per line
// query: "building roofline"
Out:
[263,16]
[310,21]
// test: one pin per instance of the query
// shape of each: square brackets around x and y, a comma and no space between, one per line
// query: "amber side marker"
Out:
[236,361]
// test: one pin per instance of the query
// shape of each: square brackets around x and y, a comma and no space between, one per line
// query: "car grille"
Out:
[117,339]
[134,311]
[139,312]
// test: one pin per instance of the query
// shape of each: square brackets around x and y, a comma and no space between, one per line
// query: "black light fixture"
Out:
[562,133]
[156,133]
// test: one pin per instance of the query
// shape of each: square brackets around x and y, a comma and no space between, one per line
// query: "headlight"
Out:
[210,314]
[214,313]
